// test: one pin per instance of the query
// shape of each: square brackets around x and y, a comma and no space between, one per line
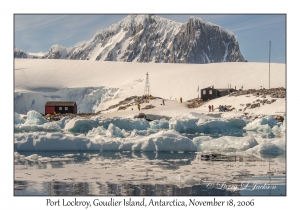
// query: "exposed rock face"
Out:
[149,38]
[202,42]
[273,92]
[18,53]
[194,103]
[58,52]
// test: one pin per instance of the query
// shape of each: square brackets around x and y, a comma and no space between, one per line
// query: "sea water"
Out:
[146,174]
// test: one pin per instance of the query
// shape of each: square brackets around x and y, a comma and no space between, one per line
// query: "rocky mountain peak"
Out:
[150,38]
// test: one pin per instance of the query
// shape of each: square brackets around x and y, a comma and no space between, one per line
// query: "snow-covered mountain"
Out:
[58,52]
[150,38]
[19,53]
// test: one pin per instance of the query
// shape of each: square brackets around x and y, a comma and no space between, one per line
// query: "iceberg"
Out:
[200,123]
[161,141]
[18,119]
[36,122]
[78,125]
[35,118]
[274,146]
[261,124]
[224,143]
[159,124]
[47,127]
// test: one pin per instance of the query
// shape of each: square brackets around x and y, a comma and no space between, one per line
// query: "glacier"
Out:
[87,99]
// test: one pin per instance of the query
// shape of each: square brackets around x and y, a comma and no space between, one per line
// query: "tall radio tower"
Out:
[147,91]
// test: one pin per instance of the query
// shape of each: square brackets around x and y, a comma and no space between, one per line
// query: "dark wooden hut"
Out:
[61,107]
[212,93]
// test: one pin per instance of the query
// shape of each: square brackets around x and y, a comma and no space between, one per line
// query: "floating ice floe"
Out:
[78,124]
[47,127]
[261,124]
[270,148]
[279,128]
[36,122]
[193,123]
[159,124]
[37,158]
[42,141]
[184,180]
[224,143]
[35,118]
[161,141]
[18,119]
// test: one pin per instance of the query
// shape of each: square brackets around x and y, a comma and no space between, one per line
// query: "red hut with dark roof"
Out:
[60,107]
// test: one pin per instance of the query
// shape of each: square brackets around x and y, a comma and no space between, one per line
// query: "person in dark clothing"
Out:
[163,102]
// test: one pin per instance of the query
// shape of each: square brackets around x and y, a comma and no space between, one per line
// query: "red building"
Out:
[60,107]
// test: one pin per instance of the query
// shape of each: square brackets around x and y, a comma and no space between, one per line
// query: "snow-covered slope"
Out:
[93,82]
[150,38]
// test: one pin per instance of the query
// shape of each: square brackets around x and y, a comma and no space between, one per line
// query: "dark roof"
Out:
[60,103]
[224,89]
[219,89]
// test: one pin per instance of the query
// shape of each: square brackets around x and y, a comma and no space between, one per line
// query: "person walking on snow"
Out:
[163,102]
[209,107]
[212,108]
[180,99]
[139,107]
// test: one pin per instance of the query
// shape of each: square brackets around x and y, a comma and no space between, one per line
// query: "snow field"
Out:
[35,80]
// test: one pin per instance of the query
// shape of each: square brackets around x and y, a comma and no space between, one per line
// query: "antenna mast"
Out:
[269,61]
[147,91]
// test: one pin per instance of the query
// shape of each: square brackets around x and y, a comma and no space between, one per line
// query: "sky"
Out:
[36,33]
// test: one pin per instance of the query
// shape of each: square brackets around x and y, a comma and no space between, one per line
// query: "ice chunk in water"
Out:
[161,141]
[114,131]
[18,119]
[48,127]
[35,118]
[224,143]
[84,125]
[261,124]
[159,124]
[272,146]
[193,123]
